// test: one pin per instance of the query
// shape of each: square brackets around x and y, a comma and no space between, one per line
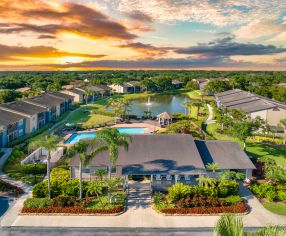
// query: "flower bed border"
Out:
[78,211]
[206,214]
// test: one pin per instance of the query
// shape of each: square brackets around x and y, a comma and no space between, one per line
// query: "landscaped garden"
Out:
[211,196]
[101,196]
[28,173]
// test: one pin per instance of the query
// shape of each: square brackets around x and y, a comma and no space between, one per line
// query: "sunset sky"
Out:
[142,34]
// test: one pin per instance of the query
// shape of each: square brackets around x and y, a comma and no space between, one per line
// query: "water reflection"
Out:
[158,104]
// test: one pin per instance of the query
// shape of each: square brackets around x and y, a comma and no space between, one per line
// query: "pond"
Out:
[159,103]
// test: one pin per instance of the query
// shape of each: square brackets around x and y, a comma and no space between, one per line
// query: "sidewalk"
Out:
[142,215]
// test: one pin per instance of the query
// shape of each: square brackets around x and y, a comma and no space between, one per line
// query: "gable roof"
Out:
[155,154]
[253,106]
[165,115]
[23,108]
[228,155]
[61,95]
[7,118]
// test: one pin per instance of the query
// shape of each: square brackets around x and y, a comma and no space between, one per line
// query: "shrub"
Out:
[37,202]
[178,191]
[71,187]
[65,201]
[232,200]
[281,195]
[237,208]
[264,190]
[158,198]
[40,190]
[34,169]
[199,201]
[73,210]
[60,174]
[227,188]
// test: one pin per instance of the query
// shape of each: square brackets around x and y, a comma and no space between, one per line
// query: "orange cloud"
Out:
[17,52]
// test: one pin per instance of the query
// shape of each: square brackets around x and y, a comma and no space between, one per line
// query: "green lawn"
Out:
[275,207]
[254,149]
[196,94]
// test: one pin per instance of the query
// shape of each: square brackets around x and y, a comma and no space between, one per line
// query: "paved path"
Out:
[210,118]
[140,215]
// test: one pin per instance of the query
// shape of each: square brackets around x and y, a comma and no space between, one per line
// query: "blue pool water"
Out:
[76,137]
[4,205]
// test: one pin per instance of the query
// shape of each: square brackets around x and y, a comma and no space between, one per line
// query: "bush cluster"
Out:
[269,191]
[237,208]
[199,201]
[37,202]
[73,210]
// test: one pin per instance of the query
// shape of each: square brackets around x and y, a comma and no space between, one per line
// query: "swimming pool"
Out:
[76,137]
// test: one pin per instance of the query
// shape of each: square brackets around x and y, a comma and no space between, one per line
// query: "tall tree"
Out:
[49,144]
[84,158]
[111,141]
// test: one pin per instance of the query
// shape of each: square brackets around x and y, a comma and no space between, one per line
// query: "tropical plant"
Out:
[111,140]
[88,94]
[84,158]
[112,184]
[49,144]
[213,167]
[177,191]
[100,173]
[119,106]
[229,225]
[232,175]
[206,181]
[94,188]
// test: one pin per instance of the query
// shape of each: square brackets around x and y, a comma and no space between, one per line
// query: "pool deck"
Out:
[151,126]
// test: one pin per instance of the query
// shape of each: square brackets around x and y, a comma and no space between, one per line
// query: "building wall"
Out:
[275,115]
[77,98]
[3,136]
[261,114]
[118,88]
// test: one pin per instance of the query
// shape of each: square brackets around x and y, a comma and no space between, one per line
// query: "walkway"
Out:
[210,118]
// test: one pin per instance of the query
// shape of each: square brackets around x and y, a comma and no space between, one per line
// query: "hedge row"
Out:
[237,208]
[72,210]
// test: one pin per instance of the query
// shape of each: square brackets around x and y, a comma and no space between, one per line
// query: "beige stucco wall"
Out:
[275,115]
[261,114]
[31,124]
[118,88]
[76,97]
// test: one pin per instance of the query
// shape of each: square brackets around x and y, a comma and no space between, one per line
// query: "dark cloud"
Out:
[147,49]
[75,18]
[139,16]
[12,52]
[46,36]
[227,47]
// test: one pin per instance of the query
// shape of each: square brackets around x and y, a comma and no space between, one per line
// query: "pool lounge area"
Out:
[76,137]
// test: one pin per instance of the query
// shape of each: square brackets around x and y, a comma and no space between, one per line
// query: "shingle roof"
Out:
[23,107]
[175,81]
[227,92]
[45,100]
[165,115]
[152,154]
[134,83]
[252,106]
[228,155]
[61,95]
[7,118]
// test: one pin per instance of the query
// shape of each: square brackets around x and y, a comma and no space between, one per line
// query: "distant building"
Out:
[23,90]
[79,95]
[128,87]
[202,82]
[177,84]
[256,105]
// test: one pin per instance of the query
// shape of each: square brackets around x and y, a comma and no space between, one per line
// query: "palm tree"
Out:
[84,158]
[229,225]
[89,93]
[100,173]
[282,123]
[49,144]
[112,140]
[213,167]
[198,104]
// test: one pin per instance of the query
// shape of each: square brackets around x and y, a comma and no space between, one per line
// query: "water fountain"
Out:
[149,103]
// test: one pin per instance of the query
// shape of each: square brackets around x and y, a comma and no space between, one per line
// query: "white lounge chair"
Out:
[158,177]
[177,178]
